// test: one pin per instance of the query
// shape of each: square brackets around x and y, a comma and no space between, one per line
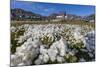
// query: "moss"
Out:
[76,45]
[14,41]
[47,40]
[70,58]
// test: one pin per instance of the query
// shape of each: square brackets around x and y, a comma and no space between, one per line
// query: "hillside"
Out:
[23,15]
[20,14]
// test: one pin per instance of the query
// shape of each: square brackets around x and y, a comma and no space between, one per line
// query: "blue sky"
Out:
[49,8]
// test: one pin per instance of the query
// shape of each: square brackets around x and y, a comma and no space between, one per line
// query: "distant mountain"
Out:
[73,17]
[53,16]
[67,16]
[20,14]
[90,18]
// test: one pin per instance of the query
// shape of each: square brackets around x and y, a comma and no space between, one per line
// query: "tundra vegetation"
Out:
[51,43]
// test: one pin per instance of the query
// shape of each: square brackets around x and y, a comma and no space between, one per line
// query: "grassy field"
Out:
[75,22]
